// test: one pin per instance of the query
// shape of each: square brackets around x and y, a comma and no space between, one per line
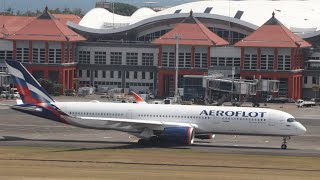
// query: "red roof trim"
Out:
[50,29]
[192,33]
[274,35]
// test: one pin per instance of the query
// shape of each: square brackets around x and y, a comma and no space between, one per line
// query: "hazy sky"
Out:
[25,5]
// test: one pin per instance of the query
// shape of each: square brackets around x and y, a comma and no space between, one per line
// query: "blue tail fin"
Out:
[31,92]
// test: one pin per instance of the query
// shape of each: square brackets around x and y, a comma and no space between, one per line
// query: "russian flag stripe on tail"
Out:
[31,92]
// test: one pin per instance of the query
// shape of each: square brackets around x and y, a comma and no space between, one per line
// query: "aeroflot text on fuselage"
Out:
[232,113]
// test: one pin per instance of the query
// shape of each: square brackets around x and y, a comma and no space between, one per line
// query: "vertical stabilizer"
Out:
[31,92]
[138,98]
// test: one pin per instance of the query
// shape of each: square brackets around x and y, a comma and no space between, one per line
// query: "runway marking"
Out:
[107,137]
[232,138]
[160,164]
[26,125]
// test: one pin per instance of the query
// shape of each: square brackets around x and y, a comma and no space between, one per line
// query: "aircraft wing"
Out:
[139,123]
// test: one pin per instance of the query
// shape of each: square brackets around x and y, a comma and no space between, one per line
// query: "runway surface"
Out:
[18,129]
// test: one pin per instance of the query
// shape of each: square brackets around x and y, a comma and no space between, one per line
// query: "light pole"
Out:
[232,88]
[177,37]
[113,15]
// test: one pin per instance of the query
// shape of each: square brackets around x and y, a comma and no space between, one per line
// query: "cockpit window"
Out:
[291,120]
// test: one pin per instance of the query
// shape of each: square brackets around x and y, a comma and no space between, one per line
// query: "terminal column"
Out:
[160,57]
[62,52]
[14,53]
[67,79]
[242,59]
[275,65]
[47,52]
[192,56]
[160,84]
[30,52]
[258,58]
[290,87]
[209,56]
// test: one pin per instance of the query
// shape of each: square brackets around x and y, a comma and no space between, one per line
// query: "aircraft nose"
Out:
[301,129]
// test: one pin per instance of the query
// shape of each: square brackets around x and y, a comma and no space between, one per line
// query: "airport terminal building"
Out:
[44,44]
[138,52]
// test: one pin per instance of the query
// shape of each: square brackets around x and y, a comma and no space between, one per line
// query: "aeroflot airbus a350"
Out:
[153,123]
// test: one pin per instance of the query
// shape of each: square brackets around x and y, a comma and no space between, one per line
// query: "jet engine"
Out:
[205,136]
[178,135]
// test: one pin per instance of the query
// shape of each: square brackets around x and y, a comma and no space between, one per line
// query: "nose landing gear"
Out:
[284,142]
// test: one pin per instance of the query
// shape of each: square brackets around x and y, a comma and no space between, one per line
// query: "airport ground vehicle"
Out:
[4,94]
[303,103]
[316,100]
[277,99]
[7,95]
[153,123]
[69,92]
[84,91]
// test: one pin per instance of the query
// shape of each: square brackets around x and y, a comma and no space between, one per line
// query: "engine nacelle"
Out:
[178,135]
[205,136]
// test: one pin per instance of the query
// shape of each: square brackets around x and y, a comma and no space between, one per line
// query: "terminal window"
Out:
[100,58]
[147,59]
[84,57]
[132,59]
[116,58]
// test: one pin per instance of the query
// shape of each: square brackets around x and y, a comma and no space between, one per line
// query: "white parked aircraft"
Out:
[153,123]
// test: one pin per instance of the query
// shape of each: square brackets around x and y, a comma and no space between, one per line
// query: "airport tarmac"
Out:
[18,129]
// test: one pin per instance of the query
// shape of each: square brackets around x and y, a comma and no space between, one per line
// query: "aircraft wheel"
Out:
[154,140]
[143,142]
[283,146]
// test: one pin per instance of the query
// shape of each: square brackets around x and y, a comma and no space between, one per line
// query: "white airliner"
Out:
[153,123]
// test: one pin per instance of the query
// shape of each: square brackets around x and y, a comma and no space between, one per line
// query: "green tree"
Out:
[55,11]
[38,12]
[78,12]
[51,87]
[66,11]
[123,9]
[29,13]
[119,8]
[8,12]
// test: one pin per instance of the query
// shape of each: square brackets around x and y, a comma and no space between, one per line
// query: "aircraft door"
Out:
[271,122]
[129,114]
[282,122]
[214,124]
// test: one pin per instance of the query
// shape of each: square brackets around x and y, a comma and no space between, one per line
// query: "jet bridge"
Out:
[236,88]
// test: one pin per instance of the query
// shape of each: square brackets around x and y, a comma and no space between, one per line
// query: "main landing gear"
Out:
[153,141]
[284,142]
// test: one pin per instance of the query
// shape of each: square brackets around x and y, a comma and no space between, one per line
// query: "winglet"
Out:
[138,98]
